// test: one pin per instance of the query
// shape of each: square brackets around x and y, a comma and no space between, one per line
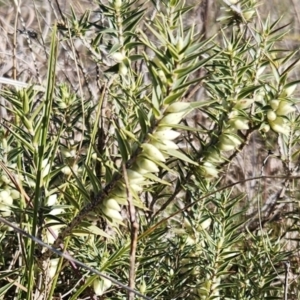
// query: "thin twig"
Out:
[14,52]
[296,10]
[28,38]
[21,84]
[134,234]
[286,279]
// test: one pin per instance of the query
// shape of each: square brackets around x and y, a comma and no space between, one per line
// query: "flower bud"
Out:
[265,128]
[4,143]
[62,105]
[4,179]
[152,152]
[143,287]
[239,123]
[204,225]
[178,107]
[101,285]
[4,195]
[279,125]
[135,177]
[166,134]
[209,169]
[260,70]
[4,211]
[119,192]
[137,188]
[248,14]
[274,104]
[147,165]
[226,146]
[172,118]
[234,113]
[243,104]
[214,156]
[112,204]
[179,44]
[162,76]
[15,194]
[123,70]
[51,236]
[53,267]
[117,4]
[112,213]
[228,142]
[118,56]
[52,200]
[271,115]
[66,170]
[289,89]
[284,108]
[165,145]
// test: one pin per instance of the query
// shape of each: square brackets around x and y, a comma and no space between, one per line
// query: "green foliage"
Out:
[86,163]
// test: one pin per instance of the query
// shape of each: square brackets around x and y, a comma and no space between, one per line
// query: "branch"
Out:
[134,234]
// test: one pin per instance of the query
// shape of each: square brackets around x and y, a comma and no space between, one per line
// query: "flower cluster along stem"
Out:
[86,210]
[143,161]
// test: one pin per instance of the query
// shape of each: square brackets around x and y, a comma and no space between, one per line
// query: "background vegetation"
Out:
[155,142]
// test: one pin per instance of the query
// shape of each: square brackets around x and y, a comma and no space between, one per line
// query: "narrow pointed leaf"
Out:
[181,156]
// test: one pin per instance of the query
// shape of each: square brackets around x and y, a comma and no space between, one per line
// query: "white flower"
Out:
[53,267]
[274,104]
[118,56]
[244,103]
[101,285]
[214,156]
[228,142]
[55,230]
[280,125]
[112,213]
[239,123]
[52,200]
[284,108]
[209,169]
[271,115]
[112,204]
[289,89]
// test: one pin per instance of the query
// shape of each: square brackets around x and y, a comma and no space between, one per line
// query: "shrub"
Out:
[130,163]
